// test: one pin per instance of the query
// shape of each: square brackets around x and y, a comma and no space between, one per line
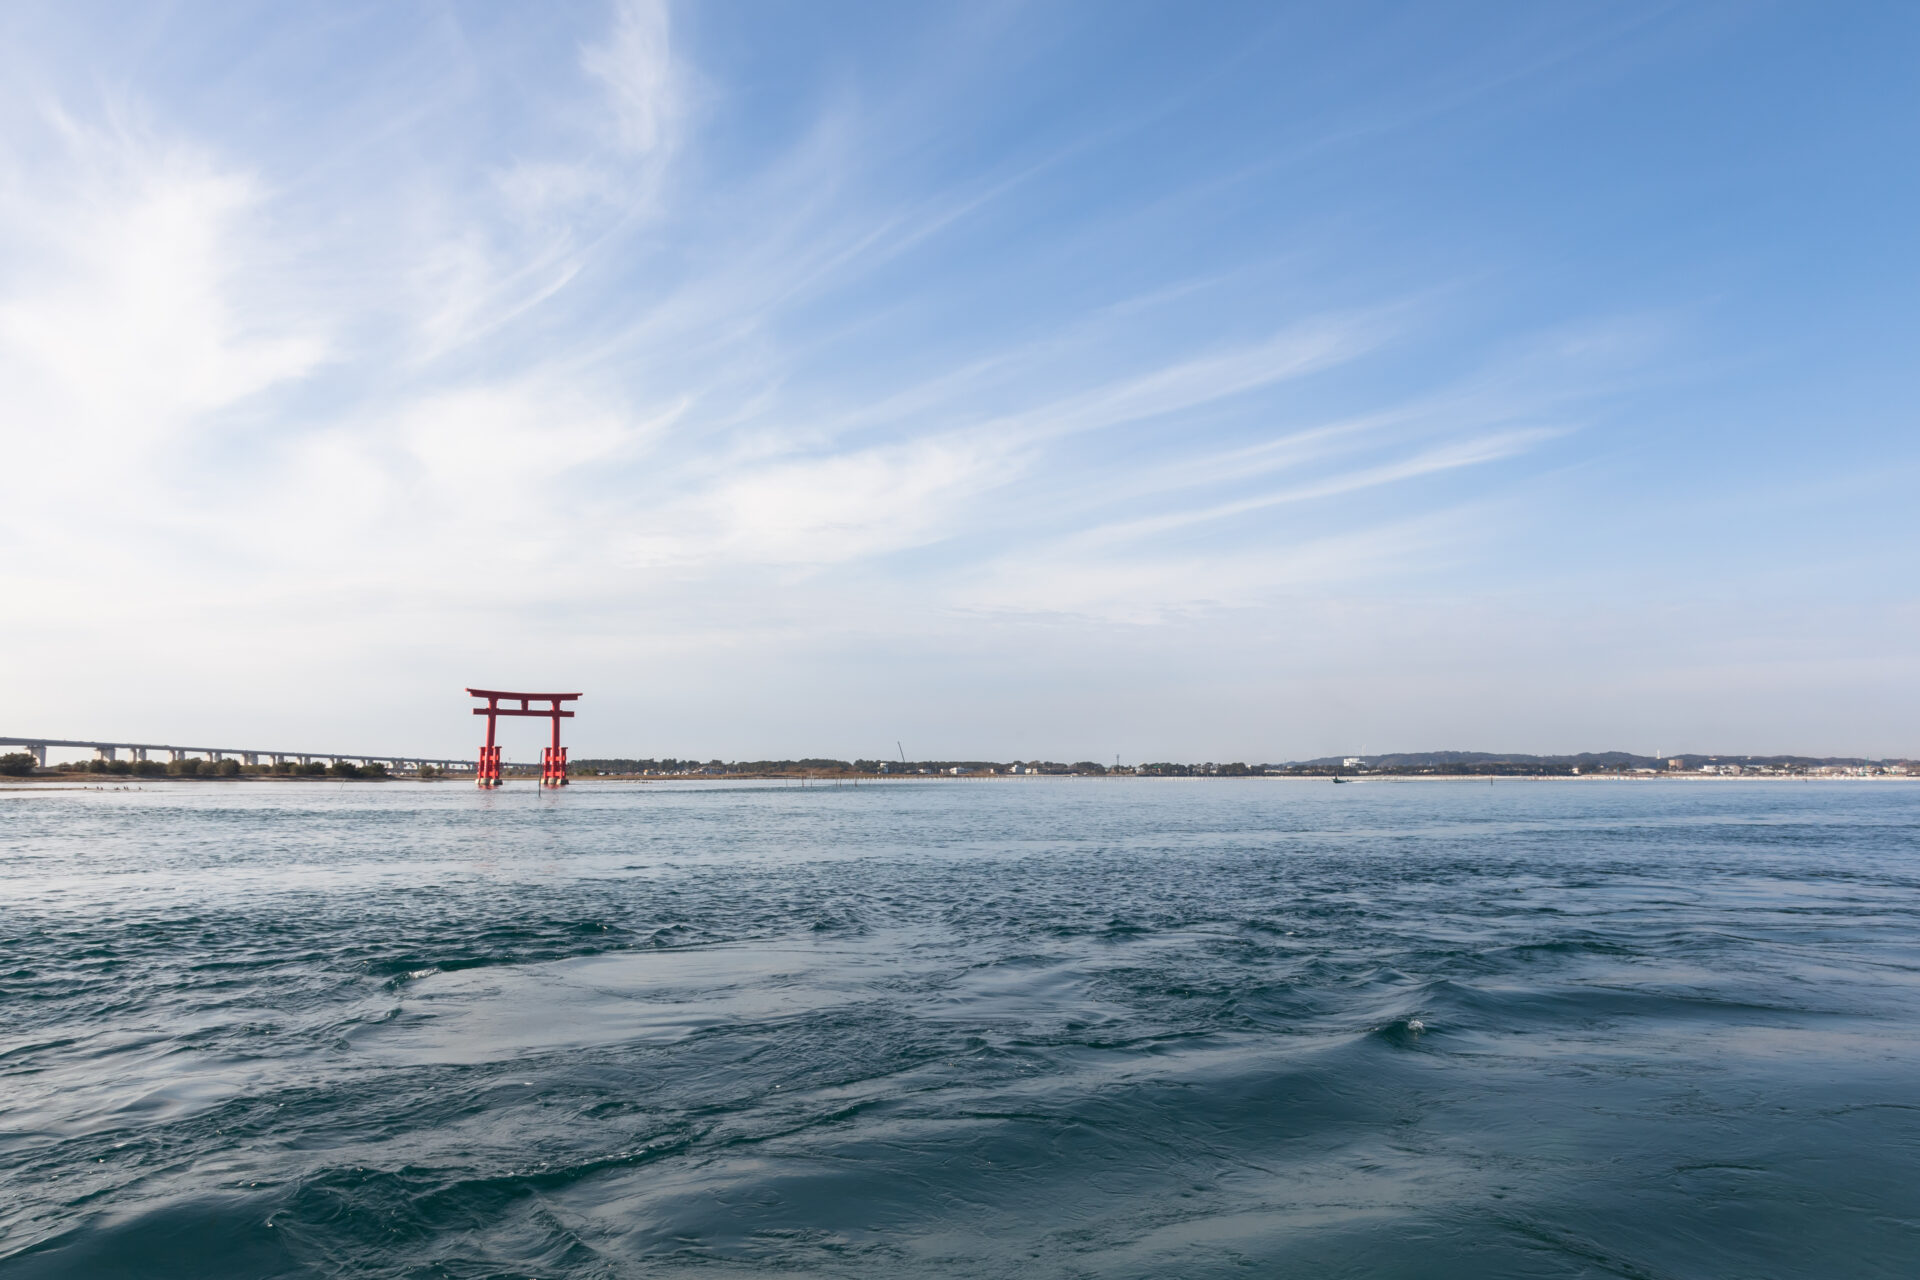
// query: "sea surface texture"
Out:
[1052,1028]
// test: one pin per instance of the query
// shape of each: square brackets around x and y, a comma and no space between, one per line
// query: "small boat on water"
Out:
[1338,778]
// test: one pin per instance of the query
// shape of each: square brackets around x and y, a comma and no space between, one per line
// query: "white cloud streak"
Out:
[635,66]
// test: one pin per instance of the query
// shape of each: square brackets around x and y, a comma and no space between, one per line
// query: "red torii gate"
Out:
[553,759]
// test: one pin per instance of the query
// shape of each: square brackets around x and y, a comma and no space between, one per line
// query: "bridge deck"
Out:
[39,747]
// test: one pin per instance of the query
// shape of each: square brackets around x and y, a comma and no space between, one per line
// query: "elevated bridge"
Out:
[38,748]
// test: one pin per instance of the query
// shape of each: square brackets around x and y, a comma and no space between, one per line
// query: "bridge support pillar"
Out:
[175,755]
[107,753]
[38,750]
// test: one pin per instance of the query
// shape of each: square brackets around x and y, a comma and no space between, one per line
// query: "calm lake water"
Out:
[1059,1028]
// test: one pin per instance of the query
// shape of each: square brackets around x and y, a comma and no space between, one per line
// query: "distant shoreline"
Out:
[56,781]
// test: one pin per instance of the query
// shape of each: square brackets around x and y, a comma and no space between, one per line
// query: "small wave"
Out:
[210,1236]
[1404,1033]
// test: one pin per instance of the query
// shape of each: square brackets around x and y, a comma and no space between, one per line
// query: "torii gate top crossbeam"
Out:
[495,696]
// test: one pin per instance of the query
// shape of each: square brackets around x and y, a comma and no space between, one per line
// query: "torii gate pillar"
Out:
[553,758]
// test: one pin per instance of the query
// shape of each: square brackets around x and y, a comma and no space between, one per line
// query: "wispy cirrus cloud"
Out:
[1448,457]
[125,329]
[643,82]
[671,444]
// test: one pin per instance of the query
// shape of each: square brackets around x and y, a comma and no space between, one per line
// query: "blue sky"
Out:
[1179,382]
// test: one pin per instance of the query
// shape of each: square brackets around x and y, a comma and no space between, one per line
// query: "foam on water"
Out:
[1072,1028]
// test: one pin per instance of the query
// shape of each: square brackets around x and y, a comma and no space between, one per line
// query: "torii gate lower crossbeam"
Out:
[553,758]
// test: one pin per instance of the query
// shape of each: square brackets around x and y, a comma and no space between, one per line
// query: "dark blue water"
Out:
[1060,1028]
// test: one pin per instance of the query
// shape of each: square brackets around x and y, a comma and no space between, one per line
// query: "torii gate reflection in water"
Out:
[553,759]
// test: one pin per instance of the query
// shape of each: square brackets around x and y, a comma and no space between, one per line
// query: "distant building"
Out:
[1353,762]
[1676,763]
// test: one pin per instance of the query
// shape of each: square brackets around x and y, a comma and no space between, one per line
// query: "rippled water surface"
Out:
[1127,1027]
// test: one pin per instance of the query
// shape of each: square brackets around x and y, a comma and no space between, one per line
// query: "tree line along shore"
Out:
[1433,764]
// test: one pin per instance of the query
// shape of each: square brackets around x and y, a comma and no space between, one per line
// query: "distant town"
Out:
[1428,764]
